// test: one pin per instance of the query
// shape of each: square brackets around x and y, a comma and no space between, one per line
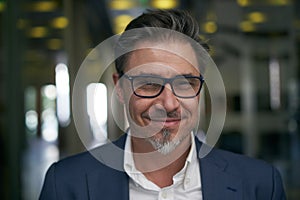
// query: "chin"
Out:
[164,147]
[166,141]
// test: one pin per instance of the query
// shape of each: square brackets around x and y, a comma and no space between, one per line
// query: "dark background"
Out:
[255,44]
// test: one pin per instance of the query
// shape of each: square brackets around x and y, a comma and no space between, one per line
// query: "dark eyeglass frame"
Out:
[165,81]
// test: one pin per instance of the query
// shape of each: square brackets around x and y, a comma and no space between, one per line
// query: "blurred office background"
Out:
[255,44]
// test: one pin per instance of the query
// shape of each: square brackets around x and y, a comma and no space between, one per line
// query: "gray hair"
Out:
[179,21]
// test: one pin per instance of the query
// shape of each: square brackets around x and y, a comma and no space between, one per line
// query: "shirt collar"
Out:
[192,171]
[136,176]
[128,157]
[186,175]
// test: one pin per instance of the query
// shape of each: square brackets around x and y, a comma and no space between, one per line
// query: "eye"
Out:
[193,81]
[182,82]
[186,83]
[147,83]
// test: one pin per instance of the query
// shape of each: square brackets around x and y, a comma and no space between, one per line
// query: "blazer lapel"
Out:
[216,182]
[109,180]
[103,185]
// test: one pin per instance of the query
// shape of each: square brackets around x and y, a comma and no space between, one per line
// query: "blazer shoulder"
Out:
[257,178]
[242,162]
[253,171]
[100,157]
[70,176]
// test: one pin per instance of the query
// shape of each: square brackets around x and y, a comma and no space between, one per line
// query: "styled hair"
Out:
[175,20]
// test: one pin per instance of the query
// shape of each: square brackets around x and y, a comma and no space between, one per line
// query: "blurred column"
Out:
[13,100]
[248,101]
[294,90]
[75,39]
[78,39]
[114,130]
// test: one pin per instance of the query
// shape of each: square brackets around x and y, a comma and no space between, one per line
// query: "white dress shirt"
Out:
[186,183]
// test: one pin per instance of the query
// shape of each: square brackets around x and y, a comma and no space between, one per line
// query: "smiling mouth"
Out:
[167,122]
[165,119]
[170,120]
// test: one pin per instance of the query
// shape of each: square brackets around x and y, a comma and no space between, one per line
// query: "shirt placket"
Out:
[166,194]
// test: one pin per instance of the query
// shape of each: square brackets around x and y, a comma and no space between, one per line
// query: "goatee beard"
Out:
[164,145]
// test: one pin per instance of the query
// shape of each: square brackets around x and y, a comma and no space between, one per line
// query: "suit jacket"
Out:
[224,175]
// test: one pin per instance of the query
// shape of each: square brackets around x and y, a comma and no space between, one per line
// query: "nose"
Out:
[168,100]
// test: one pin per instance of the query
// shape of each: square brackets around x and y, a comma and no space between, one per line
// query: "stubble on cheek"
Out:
[140,124]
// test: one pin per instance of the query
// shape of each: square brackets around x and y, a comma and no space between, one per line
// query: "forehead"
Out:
[157,58]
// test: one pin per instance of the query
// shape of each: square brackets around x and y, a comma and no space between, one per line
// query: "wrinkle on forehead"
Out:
[175,49]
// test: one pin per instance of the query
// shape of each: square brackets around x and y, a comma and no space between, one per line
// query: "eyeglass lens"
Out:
[152,86]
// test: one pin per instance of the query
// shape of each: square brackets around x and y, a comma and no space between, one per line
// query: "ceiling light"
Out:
[247,26]
[164,4]
[37,32]
[279,2]
[42,6]
[243,2]
[121,22]
[122,4]
[257,17]
[2,6]
[210,27]
[60,22]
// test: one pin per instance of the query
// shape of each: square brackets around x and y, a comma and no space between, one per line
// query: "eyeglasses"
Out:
[148,86]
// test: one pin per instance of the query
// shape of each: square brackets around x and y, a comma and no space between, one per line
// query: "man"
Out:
[159,77]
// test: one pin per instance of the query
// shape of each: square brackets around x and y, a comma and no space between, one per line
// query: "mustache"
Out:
[162,114]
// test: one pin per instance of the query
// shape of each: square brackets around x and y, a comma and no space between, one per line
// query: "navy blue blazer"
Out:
[224,175]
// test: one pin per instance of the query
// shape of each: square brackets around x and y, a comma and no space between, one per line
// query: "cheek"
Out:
[192,107]
[194,115]
[137,106]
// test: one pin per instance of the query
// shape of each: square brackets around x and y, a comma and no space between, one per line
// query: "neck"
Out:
[164,177]
[157,167]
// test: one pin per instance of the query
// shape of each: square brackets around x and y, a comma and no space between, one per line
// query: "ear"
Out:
[118,88]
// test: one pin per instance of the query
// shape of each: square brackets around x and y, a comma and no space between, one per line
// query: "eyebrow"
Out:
[158,75]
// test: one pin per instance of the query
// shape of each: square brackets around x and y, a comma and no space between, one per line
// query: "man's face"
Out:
[166,120]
